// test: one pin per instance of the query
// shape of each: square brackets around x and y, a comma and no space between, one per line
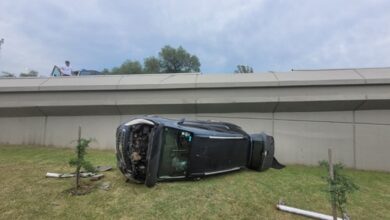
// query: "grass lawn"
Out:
[25,193]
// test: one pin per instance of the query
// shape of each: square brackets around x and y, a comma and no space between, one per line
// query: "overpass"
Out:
[307,111]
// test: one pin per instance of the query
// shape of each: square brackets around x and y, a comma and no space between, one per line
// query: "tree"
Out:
[152,65]
[169,60]
[178,60]
[105,71]
[115,70]
[6,74]
[339,186]
[128,67]
[79,161]
[243,69]
[31,73]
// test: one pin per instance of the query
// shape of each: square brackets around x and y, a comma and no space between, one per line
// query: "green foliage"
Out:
[243,69]
[340,187]
[178,60]
[79,161]
[6,74]
[170,60]
[128,67]
[151,65]
[105,71]
[31,73]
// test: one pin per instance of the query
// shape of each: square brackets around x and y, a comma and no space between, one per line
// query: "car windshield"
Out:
[174,153]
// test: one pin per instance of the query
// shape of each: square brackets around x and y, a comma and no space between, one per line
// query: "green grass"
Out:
[25,193]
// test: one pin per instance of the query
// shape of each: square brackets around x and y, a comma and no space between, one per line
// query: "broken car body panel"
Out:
[151,149]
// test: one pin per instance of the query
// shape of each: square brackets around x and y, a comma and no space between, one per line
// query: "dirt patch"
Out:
[82,190]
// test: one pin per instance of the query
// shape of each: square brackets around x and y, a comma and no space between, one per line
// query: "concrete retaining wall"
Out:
[306,111]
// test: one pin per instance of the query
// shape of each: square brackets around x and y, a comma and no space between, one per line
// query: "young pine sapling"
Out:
[79,161]
[339,187]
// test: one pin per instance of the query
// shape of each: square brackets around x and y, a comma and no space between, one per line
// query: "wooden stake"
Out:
[331,175]
[78,156]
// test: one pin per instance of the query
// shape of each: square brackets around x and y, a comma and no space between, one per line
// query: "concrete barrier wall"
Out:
[359,139]
[307,112]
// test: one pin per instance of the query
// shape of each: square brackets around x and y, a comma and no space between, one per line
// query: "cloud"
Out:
[268,35]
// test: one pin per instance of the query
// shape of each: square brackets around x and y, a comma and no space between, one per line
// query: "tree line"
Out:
[169,60]
[31,73]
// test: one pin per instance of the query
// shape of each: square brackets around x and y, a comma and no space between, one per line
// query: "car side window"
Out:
[175,152]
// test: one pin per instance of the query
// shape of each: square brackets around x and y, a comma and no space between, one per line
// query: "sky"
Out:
[273,35]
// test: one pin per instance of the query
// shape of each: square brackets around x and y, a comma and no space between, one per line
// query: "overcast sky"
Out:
[267,35]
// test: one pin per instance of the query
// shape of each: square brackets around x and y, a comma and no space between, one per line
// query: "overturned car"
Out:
[151,149]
